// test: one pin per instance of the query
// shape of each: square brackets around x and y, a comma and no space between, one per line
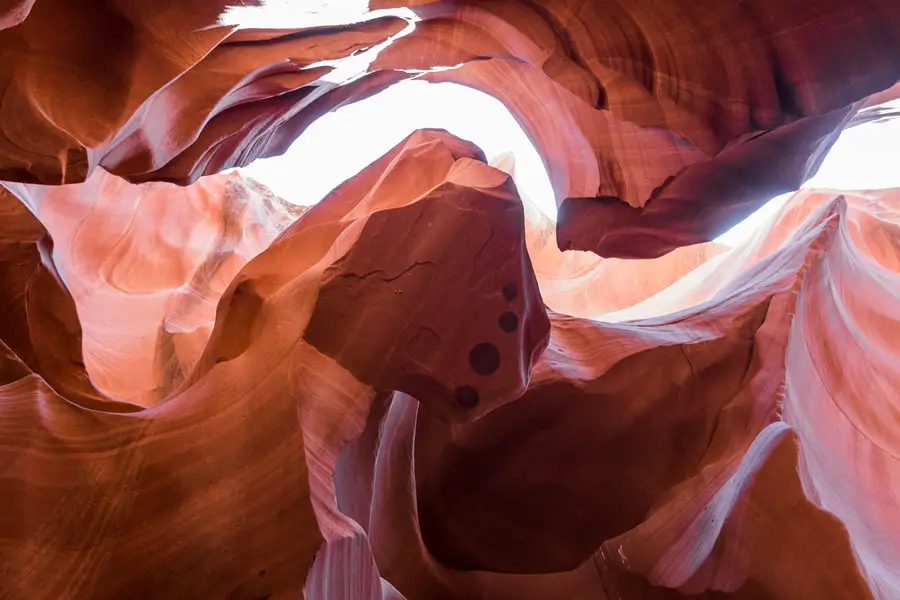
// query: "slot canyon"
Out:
[422,387]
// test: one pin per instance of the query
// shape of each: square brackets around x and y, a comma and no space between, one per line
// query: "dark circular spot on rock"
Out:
[508,322]
[262,573]
[467,396]
[510,291]
[484,358]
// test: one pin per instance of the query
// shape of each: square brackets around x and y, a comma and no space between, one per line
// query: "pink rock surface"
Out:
[412,391]
[384,398]
[146,266]
[660,122]
[583,284]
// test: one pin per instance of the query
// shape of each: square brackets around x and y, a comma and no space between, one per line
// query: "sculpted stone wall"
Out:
[417,389]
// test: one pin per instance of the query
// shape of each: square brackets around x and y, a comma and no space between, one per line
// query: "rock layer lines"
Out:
[417,389]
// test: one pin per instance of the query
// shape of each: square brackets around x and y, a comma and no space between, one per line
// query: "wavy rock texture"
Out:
[410,391]
[147,264]
[277,382]
[661,122]
[483,447]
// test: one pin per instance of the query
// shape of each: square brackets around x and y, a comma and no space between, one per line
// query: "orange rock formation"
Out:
[414,389]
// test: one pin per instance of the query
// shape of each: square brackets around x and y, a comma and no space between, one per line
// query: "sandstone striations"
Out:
[417,389]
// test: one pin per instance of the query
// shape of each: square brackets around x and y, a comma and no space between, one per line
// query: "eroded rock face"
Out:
[660,122]
[146,266]
[410,391]
[438,432]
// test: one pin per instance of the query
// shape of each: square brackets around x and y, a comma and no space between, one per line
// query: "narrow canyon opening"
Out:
[341,143]
[450,299]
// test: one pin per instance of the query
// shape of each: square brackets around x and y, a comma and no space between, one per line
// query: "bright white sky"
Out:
[343,142]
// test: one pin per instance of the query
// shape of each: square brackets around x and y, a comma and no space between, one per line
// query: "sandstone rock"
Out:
[412,390]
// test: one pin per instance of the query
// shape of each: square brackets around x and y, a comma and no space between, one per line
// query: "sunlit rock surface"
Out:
[146,265]
[416,389]
[659,122]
